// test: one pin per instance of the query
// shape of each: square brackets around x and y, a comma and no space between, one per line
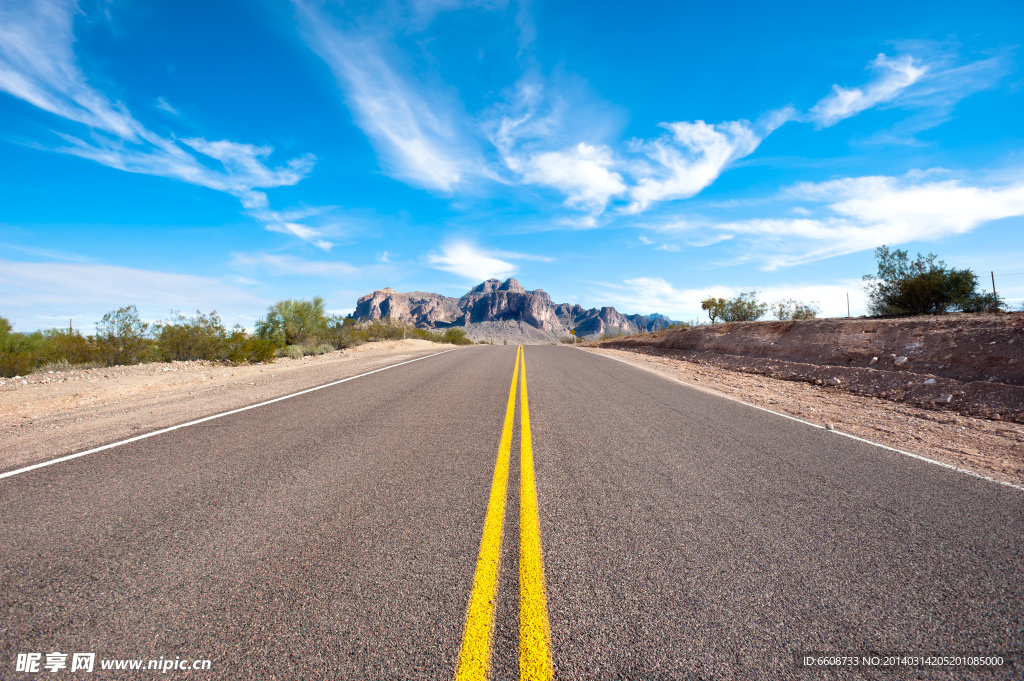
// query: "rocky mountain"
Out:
[502,311]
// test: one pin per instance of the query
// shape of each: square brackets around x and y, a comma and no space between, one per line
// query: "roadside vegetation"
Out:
[902,286]
[291,328]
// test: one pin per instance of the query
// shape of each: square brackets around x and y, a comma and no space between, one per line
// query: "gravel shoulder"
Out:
[992,448]
[43,416]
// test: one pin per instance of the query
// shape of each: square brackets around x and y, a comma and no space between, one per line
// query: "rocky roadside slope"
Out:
[968,364]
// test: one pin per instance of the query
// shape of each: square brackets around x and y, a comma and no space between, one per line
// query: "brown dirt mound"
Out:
[970,364]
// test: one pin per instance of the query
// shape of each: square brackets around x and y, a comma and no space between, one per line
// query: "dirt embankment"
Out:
[969,364]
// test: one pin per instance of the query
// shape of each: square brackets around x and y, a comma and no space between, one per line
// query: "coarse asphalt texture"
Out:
[335,535]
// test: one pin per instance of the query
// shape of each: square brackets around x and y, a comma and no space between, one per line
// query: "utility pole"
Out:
[993,282]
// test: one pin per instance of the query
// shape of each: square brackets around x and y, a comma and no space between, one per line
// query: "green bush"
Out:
[15,364]
[121,337]
[455,336]
[784,310]
[187,339]
[923,286]
[294,322]
[241,348]
[743,308]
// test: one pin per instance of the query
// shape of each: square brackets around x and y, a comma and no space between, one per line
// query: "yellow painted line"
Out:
[535,663]
[475,656]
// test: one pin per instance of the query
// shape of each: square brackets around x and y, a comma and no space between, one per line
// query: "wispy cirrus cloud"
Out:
[289,265]
[470,261]
[416,131]
[928,79]
[894,76]
[38,65]
[862,213]
[694,154]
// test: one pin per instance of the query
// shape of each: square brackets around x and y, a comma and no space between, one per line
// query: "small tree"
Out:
[294,322]
[121,336]
[923,286]
[715,307]
[787,309]
[745,308]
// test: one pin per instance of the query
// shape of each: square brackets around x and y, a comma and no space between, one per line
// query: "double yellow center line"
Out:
[535,662]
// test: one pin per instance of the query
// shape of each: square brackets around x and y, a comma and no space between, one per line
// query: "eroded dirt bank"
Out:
[972,365]
[43,416]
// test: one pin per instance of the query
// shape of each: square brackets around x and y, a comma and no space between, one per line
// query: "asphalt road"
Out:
[337,535]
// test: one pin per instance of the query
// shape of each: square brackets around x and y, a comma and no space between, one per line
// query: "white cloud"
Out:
[694,155]
[38,65]
[894,76]
[583,173]
[466,260]
[287,222]
[162,104]
[279,265]
[46,294]
[650,294]
[415,132]
[862,213]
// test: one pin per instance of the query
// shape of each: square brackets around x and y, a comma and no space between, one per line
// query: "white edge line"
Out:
[69,457]
[815,425]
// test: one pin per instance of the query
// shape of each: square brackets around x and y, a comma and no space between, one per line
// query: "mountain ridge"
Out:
[502,310]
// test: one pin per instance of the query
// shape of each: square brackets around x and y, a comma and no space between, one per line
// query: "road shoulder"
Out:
[51,415]
[991,448]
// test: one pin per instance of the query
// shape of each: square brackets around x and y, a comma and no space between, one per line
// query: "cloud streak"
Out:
[862,213]
[417,137]
[38,66]
[469,261]
[894,76]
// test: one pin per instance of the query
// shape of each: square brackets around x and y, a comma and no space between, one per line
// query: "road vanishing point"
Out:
[497,512]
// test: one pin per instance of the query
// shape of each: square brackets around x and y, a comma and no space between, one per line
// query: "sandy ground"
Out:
[43,416]
[992,448]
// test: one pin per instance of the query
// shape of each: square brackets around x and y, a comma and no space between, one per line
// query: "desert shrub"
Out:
[342,332]
[982,302]
[121,337]
[784,310]
[569,340]
[386,328]
[455,336]
[240,348]
[192,338]
[294,322]
[743,308]
[293,351]
[923,286]
[68,347]
[15,360]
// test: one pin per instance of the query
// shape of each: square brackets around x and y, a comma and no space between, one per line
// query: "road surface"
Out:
[340,534]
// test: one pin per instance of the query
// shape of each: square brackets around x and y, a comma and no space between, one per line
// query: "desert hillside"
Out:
[973,364]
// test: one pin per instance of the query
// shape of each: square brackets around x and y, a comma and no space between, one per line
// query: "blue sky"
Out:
[226,155]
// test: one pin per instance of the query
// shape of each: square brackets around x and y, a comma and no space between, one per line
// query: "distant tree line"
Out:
[292,328]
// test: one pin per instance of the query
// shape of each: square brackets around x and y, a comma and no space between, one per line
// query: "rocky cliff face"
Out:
[496,309]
